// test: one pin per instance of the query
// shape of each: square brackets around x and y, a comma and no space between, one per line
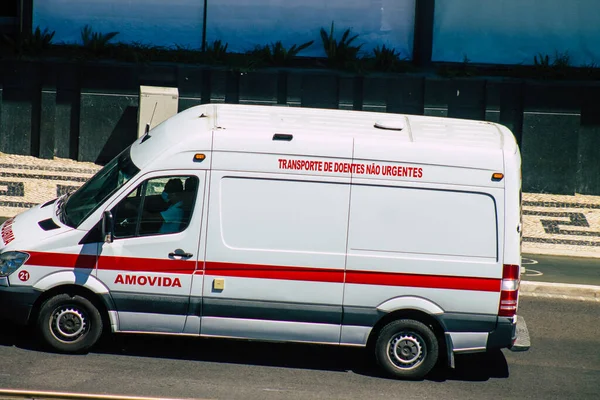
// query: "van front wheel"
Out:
[406,349]
[69,324]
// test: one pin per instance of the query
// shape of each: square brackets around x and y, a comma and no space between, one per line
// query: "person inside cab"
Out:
[167,212]
[173,216]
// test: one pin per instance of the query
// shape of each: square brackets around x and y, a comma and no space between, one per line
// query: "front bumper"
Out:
[16,303]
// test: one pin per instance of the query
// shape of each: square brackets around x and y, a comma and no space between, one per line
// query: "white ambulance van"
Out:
[393,232]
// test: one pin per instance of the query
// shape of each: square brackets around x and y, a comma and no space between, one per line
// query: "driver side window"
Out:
[158,206]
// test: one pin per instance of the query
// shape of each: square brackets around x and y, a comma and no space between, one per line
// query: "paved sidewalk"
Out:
[561,225]
[553,224]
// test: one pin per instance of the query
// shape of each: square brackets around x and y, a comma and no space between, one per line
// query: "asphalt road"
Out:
[564,362]
[541,268]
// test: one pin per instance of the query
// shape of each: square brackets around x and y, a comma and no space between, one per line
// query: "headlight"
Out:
[11,261]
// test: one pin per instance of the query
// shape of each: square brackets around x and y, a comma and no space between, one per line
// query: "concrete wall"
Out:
[88,112]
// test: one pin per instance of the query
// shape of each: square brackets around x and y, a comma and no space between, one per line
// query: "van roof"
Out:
[330,122]
[329,133]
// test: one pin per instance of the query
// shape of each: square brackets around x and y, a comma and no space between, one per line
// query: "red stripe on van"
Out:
[424,281]
[61,260]
[356,277]
[264,271]
[111,263]
[274,272]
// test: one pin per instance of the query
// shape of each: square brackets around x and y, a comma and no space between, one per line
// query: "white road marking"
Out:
[532,272]
[528,261]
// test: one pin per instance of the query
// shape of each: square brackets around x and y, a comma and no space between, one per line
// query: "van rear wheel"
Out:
[69,324]
[406,349]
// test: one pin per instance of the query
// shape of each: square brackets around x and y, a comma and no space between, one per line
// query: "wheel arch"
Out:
[429,320]
[103,303]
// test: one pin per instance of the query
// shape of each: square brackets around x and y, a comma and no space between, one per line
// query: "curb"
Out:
[563,291]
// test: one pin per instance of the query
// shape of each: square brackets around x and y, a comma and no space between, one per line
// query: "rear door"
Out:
[149,267]
[424,232]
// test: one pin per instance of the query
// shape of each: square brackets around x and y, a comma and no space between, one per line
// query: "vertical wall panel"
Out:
[320,90]
[20,95]
[588,162]
[108,125]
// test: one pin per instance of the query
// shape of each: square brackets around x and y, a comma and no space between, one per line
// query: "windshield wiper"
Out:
[59,203]
[60,210]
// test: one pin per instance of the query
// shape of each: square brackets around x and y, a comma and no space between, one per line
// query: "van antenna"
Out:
[152,117]
[147,129]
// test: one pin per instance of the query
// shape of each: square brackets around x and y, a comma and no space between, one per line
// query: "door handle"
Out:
[180,253]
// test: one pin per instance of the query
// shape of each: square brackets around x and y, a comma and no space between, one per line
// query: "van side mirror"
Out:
[108,227]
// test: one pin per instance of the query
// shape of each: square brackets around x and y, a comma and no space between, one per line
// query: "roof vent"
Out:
[392,125]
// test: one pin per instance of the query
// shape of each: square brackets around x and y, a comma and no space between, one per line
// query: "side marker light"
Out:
[497,176]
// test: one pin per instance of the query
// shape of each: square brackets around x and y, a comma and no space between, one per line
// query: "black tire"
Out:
[406,349]
[69,324]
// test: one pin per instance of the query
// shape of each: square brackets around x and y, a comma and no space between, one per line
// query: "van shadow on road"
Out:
[472,367]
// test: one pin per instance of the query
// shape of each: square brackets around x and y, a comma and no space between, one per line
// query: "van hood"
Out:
[30,228]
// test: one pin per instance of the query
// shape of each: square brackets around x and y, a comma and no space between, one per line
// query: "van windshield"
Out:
[80,204]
